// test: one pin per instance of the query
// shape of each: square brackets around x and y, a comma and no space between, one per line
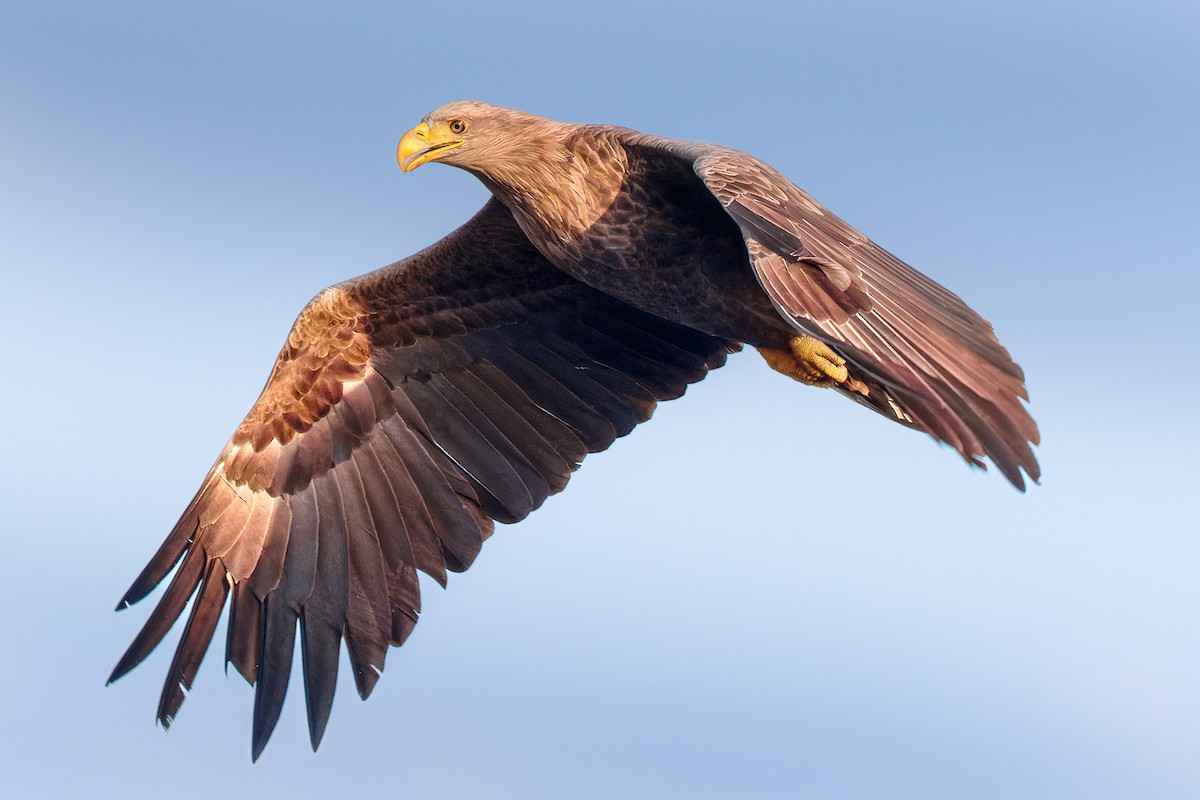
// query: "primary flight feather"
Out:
[413,407]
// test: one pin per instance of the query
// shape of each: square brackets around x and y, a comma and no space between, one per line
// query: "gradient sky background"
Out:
[767,591]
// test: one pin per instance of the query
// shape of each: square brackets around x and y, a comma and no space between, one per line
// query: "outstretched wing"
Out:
[408,409]
[920,355]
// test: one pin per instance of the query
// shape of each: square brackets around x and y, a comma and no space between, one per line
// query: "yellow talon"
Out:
[809,361]
[818,357]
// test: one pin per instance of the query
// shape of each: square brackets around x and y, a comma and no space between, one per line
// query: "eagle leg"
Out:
[811,362]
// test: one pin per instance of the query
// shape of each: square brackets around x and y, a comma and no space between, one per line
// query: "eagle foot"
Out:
[809,361]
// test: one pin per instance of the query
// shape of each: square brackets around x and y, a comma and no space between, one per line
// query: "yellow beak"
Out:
[424,144]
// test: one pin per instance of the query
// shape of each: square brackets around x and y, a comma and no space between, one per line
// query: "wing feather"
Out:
[243,632]
[368,616]
[323,614]
[201,624]
[281,612]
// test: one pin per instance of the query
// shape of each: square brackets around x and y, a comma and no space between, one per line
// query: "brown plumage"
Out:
[414,406]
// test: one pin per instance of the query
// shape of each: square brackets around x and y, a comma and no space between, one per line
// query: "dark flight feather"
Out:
[243,632]
[368,615]
[201,624]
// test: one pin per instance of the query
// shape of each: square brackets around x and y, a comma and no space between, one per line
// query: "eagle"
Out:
[412,408]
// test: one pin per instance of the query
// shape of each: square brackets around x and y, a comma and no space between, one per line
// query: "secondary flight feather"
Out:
[414,407]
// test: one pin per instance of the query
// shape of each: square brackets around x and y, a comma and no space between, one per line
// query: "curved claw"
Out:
[809,361]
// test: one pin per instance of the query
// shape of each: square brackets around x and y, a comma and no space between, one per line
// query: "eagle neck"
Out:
[561,186]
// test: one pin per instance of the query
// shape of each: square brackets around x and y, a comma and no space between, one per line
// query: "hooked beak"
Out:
[423,144]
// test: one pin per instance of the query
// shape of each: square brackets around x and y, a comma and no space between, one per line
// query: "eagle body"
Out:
[651,235]
[412,408]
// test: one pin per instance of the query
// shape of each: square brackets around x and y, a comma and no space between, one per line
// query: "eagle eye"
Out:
[458,125]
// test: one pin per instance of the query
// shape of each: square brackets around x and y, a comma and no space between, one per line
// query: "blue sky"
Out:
[765,592]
